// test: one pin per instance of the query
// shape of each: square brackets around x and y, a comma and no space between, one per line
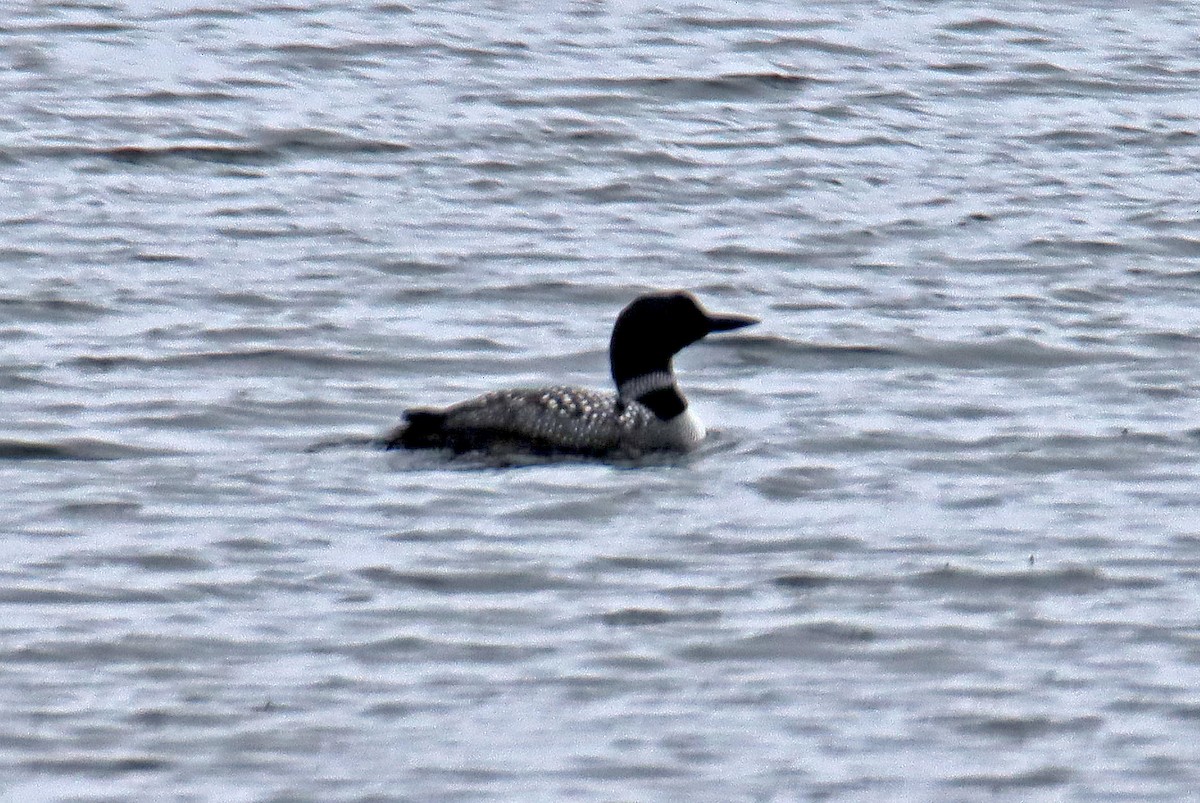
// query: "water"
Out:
[944,544]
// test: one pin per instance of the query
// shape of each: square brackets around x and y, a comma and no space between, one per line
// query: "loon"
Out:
[648,413]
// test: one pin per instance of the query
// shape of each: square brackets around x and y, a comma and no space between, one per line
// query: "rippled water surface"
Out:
[943,544]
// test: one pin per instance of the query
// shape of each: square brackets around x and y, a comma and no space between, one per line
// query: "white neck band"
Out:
[633,389]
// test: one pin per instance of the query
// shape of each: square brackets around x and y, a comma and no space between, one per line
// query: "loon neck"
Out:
[656,390]
[635,387]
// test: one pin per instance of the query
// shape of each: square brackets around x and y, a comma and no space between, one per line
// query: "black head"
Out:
[655,327]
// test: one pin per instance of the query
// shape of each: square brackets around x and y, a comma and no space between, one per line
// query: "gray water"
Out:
[943,544]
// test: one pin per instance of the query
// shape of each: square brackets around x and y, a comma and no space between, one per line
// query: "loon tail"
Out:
[424,429]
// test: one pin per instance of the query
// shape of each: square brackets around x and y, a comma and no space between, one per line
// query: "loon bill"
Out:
[648,413]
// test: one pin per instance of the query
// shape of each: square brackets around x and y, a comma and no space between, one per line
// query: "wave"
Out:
[265,147]
[72,449]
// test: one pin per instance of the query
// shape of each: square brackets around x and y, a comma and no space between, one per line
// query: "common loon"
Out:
[648,413]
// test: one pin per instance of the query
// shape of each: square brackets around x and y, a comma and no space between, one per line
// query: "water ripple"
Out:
[946,518]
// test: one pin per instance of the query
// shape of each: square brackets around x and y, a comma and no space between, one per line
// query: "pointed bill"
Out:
[726,323]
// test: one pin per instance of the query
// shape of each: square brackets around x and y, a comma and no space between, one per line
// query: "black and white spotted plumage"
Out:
[547,421]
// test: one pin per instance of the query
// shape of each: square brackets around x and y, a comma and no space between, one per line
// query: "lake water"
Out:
[943,544]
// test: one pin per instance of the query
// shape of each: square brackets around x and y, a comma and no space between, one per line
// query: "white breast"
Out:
[686,429]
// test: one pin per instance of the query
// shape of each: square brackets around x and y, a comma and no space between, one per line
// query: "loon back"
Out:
[538,421]
[647,414]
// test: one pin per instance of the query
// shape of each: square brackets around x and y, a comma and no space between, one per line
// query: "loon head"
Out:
[652,330]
